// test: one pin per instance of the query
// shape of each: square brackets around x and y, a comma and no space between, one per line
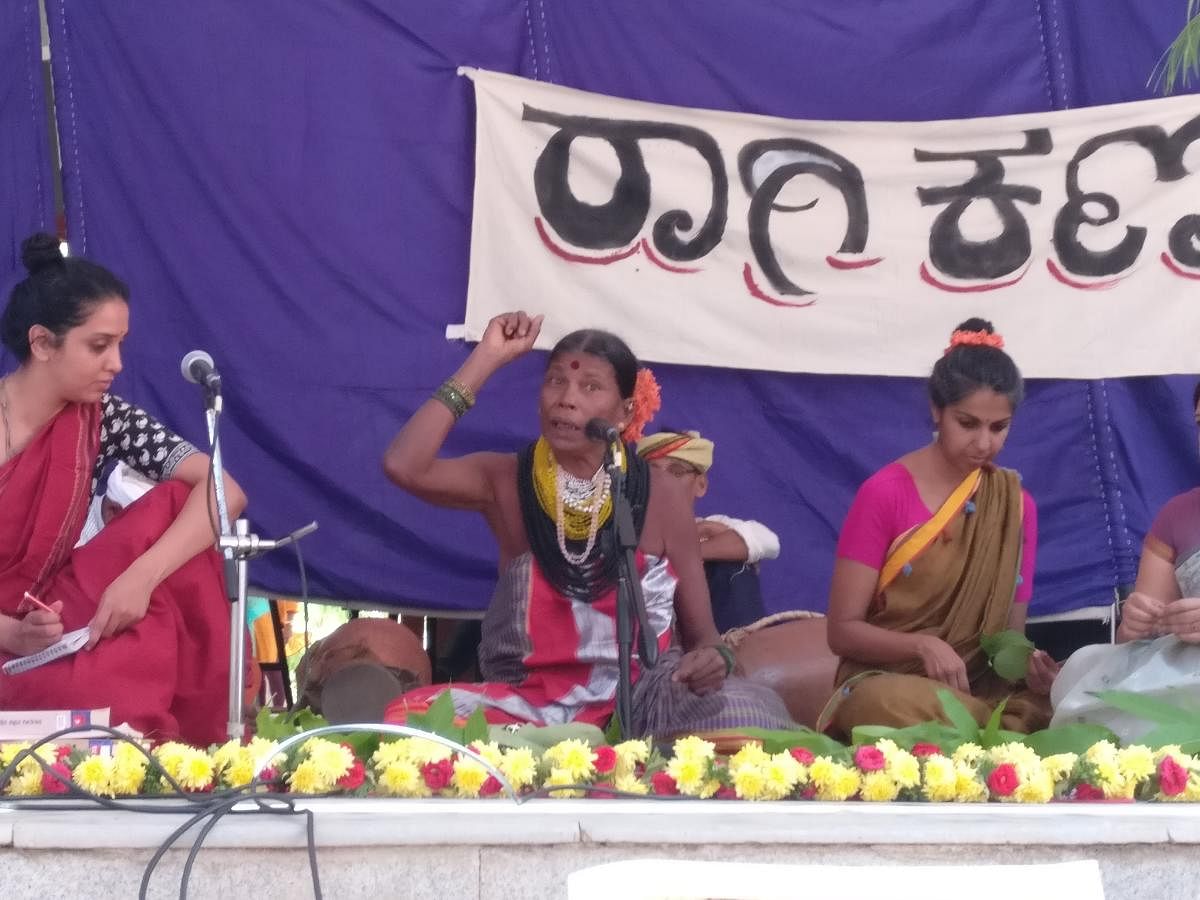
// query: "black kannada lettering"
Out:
[949,249]
[619,221]
[1167,152]
[790,158]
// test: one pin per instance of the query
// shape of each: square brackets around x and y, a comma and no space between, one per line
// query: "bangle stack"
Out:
[457,397]
[728,655]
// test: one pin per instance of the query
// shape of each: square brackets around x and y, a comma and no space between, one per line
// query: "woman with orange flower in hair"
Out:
[549,647]
[937,551]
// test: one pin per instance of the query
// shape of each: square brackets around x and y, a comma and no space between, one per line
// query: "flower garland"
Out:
[413,767]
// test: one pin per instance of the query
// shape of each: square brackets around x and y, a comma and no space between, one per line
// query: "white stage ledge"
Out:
[496,849]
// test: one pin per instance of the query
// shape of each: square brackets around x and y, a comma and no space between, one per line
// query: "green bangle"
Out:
[453,399]
[728,655]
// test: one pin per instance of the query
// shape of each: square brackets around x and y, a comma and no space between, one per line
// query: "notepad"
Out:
[71,642]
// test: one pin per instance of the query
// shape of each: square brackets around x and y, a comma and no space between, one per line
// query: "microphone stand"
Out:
[631,605]
[238,546]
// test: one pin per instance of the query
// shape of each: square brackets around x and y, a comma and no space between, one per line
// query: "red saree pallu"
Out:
[167,675]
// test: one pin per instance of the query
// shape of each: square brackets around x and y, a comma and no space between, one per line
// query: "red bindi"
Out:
[574,364]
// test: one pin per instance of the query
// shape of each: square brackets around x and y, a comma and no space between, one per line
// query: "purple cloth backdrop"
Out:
[289,187]
[26,187]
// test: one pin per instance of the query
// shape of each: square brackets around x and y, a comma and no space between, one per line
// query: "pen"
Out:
[33,599]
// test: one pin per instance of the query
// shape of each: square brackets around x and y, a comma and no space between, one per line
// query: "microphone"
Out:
[599,430]
[198,368]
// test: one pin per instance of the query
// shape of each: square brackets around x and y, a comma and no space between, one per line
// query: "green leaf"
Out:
[1074,738]
[476,727]
[1186,734]
[363,743]
[960,717]
[779,740]
[439,718]
[945,736]
[1149,708]
[991,736]
[1008,653]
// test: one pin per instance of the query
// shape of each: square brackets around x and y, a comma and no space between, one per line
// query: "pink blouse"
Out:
[888,504]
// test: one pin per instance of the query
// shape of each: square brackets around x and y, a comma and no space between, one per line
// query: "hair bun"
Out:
[40,251]
[976,324]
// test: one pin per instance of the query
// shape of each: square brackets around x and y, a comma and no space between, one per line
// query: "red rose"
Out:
[926,749]
[1172,777]
[808,793]
[663,783]
[725,792]
[489,787]
[51,785]
[869,758]
[353,778]
[61,752]
[1003,780]
[802,755]
[604,759]
[1087,792]
[437,774]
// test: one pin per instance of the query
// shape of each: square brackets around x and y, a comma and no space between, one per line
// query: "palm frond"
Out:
[1182,60]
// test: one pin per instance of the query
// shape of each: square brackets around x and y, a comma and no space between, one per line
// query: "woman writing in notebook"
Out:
[148,588]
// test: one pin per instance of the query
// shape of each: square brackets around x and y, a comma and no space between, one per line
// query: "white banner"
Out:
[725,239]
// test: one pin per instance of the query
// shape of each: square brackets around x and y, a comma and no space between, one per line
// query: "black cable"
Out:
[209,805]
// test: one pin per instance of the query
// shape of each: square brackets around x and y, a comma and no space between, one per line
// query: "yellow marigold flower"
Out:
[128,775]
[402,778]
[195,771]
[388,753]
[1101,751]
[631,785]
[1108,776]
[8,752]
[1038,789]
[490,751]
[903,768]
[941,779]
[519,766]
[842,783]
[692,747]
[26,781]
[967,786]
[748,755]
[171,756]
[629,754]
[94,774]
[1192,792]
[307,778]
[468,777]
[227,754]
[1024,759]
[423,751]
[1059,765]
[783,773]
[574,757]
[877,787]
[239,773]
[1136,763]
[749,782]
[561,776]
[821,770]
[332,760]
[968,753]
[690,774]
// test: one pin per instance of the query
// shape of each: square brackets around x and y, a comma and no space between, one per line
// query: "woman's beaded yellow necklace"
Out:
[578,506]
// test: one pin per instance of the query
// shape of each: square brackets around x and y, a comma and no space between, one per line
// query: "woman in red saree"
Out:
[149,586]
[549,647]
[938,550]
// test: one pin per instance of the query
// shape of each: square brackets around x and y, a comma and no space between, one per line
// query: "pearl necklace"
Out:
[583,495]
